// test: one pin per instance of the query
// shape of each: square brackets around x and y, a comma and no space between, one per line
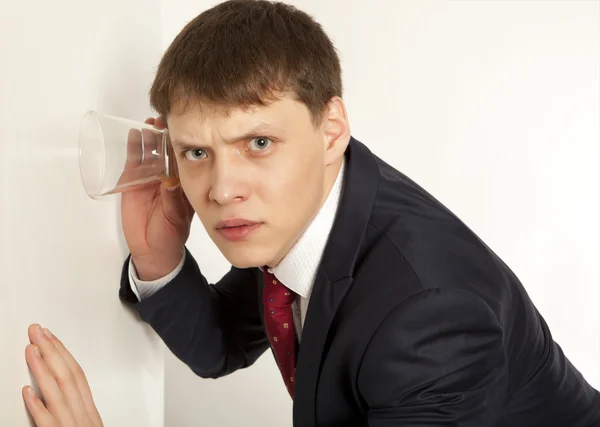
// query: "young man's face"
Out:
[257,177]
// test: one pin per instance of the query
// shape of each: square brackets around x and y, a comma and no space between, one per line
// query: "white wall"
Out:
[491,105]
[60,252]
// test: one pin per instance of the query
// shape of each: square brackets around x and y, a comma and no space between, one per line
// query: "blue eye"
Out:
[259,143]
[196,154]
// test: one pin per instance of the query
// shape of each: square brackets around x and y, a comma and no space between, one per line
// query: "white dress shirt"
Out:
[297,270]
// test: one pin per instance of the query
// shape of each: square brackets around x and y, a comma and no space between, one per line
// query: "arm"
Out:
[214,329]
[145,289]
[436,360]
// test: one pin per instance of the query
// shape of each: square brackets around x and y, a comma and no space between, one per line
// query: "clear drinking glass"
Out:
[118,154]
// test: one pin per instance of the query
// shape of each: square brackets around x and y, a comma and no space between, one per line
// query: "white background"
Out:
[493,106]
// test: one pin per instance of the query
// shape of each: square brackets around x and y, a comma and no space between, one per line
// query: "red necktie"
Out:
[279,324]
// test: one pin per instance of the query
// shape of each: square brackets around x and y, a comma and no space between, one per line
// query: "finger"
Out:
[133,159]
[63,376]
[173,166]
[153,158]
[175,205]
[79,374]
[170,183]
[41,416]
[170,198]
[171,188]
[160,122]
[149,120]
[53,397]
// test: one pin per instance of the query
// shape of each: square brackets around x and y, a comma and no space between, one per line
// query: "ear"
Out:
[336,130]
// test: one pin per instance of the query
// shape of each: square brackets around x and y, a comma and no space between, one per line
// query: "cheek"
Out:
[194,187]
[296,186]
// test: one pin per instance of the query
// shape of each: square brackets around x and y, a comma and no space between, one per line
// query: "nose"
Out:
[227,181]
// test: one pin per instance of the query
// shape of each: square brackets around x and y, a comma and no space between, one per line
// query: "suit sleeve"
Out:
[437,360]
[215,329]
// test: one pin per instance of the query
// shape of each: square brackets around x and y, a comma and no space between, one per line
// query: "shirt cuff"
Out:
[143,289]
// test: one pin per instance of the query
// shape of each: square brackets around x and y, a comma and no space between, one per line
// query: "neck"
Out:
[331,174]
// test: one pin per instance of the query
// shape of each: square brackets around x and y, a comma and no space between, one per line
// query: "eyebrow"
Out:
[260,129]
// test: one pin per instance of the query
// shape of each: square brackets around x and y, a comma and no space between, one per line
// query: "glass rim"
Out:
[92,193]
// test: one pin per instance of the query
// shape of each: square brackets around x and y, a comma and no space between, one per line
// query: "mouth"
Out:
[236,229]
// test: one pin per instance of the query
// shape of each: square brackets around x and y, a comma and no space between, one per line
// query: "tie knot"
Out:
[275,293]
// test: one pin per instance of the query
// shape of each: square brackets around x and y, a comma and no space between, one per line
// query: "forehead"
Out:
[202,121]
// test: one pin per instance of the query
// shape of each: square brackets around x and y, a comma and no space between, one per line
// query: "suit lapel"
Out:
[334,276]
[324,302]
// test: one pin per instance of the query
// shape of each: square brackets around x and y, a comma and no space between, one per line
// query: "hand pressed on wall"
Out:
[67,396]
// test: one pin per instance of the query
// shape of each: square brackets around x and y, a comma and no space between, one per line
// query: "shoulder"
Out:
[441,250]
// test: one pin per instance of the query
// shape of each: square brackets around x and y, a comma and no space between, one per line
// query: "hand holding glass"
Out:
[118,154]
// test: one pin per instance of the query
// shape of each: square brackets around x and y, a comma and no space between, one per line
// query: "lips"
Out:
[236,222]
[237,228]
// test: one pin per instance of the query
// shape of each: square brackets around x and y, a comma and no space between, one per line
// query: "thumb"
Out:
[172,199]
[169,183]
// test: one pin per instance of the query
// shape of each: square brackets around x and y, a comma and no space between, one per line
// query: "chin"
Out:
[244,256]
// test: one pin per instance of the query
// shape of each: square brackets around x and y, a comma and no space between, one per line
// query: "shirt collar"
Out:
[298,269]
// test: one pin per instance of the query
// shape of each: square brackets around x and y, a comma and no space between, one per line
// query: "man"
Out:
[380,306]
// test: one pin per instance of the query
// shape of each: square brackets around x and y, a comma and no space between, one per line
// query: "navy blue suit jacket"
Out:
[413,321]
